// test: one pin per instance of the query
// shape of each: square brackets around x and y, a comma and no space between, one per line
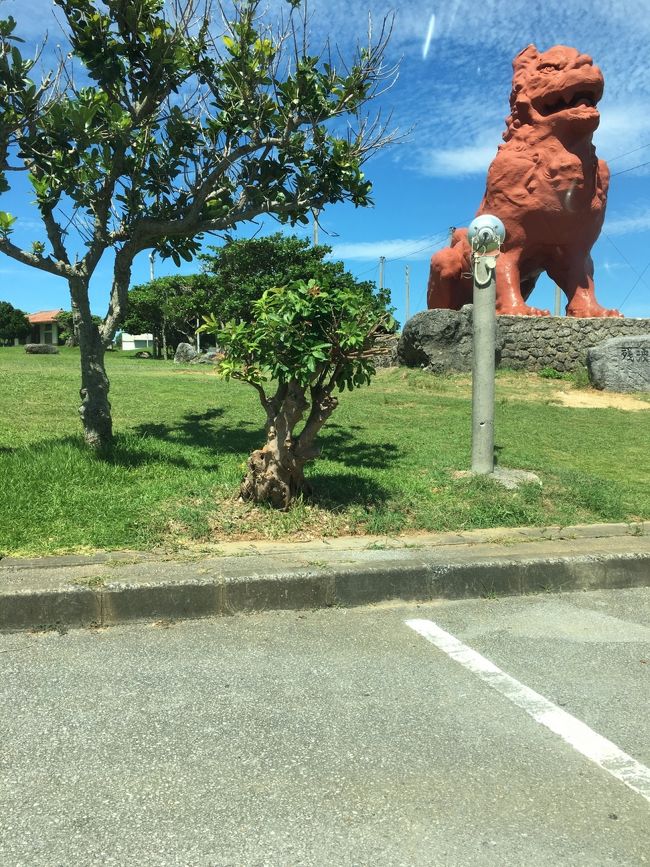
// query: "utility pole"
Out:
[407,312]
[382,260]
[558,301]
[152,256]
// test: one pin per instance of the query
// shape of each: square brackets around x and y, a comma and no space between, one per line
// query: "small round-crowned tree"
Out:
[303,344]
[13,323]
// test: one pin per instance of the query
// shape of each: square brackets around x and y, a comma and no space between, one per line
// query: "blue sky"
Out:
[451,98]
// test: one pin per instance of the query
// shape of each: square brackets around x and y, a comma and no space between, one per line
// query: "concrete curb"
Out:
[105,590]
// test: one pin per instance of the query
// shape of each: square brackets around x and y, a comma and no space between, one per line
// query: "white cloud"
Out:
[637,221]
[460,90]
[612,266]
[413,249]
[427,39]
[457,96]
[472,159]
[624,130]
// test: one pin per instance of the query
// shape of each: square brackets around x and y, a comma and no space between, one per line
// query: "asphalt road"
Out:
[337,737]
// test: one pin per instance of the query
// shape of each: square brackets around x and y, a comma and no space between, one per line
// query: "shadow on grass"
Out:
[347,489]
[150,443]
[126,451]
[123,452]
[338,444]
[196,430]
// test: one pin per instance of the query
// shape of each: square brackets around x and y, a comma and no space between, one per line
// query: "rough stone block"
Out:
[620,364]
[185,353]
[41,349]
[441,341]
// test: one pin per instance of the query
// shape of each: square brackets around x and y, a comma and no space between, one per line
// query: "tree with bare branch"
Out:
[154,131]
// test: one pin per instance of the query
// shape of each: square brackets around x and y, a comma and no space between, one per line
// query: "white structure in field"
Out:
[137,341]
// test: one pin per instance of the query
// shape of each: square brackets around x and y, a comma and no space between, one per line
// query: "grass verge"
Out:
[389,455]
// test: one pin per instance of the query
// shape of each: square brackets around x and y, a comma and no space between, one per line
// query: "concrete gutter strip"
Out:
[103,590]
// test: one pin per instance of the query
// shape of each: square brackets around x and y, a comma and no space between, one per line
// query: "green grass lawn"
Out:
[389,455]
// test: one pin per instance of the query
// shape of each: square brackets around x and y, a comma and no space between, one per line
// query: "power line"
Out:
[367,271]
[631,169]
[621,254]
[627,153]
[429,246]
[433,242]
[639,276]
[439,236]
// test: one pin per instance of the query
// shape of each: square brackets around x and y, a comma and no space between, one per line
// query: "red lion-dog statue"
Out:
[547,186]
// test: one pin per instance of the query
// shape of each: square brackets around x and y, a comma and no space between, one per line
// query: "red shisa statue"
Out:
[547,186]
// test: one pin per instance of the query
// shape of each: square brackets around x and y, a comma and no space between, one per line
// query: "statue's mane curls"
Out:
[519,103]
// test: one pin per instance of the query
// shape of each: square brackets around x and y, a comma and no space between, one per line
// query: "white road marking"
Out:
[583,739]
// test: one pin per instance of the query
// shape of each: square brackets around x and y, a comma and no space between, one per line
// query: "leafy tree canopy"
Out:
[13,323]
[163,124]
[244,269]
[175,304]
[303,343]
[67,329]
[234,276]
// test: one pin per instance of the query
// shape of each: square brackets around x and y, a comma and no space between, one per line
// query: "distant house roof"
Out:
[43,316]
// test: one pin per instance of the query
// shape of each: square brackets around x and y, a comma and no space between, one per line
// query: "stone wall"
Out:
[560,342]
[387,346]
[440,340]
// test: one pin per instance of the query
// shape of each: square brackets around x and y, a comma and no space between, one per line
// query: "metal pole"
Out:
[382,260]
[484,328]
[558,301]
[152,256]
[407,314]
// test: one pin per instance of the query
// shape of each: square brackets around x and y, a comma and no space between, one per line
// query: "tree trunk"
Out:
[95,409]
[275,476]
[276,471]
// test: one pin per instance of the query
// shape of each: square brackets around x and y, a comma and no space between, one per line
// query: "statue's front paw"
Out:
[520,310]
[586,310]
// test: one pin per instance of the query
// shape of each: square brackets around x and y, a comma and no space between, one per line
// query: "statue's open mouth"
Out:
[574,98]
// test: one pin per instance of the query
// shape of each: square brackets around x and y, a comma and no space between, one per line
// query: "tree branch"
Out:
[323,405]
[54,233]
[119,293]
[256,385]
[102,213]
[60,268]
